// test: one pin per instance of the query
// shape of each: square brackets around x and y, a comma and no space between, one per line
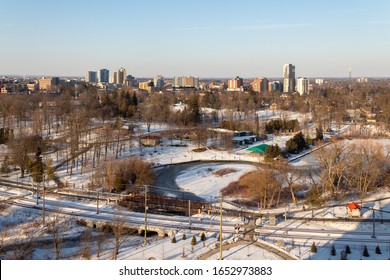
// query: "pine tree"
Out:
[347,249]
[365,252]
[378,250]
[313,248]
[174,239]
[333,251]
[184,236]
[203,237]
[319,133]
[193,241]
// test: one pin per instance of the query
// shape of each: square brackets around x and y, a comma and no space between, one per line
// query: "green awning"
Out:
[259,148]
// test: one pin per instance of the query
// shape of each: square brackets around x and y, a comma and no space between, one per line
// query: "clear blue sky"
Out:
[202,38]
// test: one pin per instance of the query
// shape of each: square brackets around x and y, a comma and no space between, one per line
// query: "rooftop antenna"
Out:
[350,81]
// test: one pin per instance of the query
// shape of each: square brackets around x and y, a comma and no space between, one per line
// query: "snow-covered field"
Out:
[203,181]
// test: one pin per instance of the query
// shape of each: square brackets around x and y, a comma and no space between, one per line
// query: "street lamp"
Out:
[373,223]
[146,214]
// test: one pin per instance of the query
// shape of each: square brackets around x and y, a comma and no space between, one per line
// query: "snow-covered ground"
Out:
[203,181]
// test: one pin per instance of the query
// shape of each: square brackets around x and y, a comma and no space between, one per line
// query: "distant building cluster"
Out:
[186,82]
[103,80]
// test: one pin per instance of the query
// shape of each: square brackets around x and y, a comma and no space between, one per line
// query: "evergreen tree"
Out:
[184,236]
[5,166]
[272,152]
[174,239]
[365,252]
[313,248]
[194,110]
[378,250]
[347,249]
[319,133]
[193,241]
[333,251]
[203,237]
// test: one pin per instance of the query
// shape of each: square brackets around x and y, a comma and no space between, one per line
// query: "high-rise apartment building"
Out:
[104,75]
[159,81]
[288,78]
[186,82]
[120,76]
[303,85]
[91,77]
[260,85]
[236,84]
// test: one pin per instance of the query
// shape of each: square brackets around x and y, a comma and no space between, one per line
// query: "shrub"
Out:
[347,249]
[365,252]
[313,248]
[333,251]
[193,241]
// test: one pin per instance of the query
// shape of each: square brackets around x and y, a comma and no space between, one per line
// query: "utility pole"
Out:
[43,201]
[220,228]
[37,194]
[97,203]
[189,212]
[146,213]
[373,223]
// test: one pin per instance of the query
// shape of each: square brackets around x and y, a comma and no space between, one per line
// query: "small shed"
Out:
[150,140]
[258,149]
[353,209]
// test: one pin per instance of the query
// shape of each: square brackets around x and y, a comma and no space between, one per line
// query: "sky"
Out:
[203,38]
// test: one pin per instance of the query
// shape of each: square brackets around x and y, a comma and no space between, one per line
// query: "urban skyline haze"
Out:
[197,38]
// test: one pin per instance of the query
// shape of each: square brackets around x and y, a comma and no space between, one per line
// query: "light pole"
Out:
[43,201]
[97,203]
[146,214]
[189,212]
[220,228]
[373,223]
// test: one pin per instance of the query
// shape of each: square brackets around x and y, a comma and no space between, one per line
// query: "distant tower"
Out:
[288,78]
[350,81]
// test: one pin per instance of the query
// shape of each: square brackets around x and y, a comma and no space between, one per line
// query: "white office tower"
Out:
[288,78]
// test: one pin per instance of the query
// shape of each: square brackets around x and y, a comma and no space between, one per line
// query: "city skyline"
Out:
[196,38]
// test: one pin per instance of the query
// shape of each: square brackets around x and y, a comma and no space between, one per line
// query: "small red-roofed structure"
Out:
[353,209]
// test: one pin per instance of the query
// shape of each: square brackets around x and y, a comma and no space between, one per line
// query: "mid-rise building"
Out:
[48,83]
[303,85]
[288,78]
[91,77]
[236,84]
[319,81]
[275,86]
[104,75]
[120,76]
[260,85]
[186,82]
[362,80]
[130,81]
[148,86]
[159,81]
